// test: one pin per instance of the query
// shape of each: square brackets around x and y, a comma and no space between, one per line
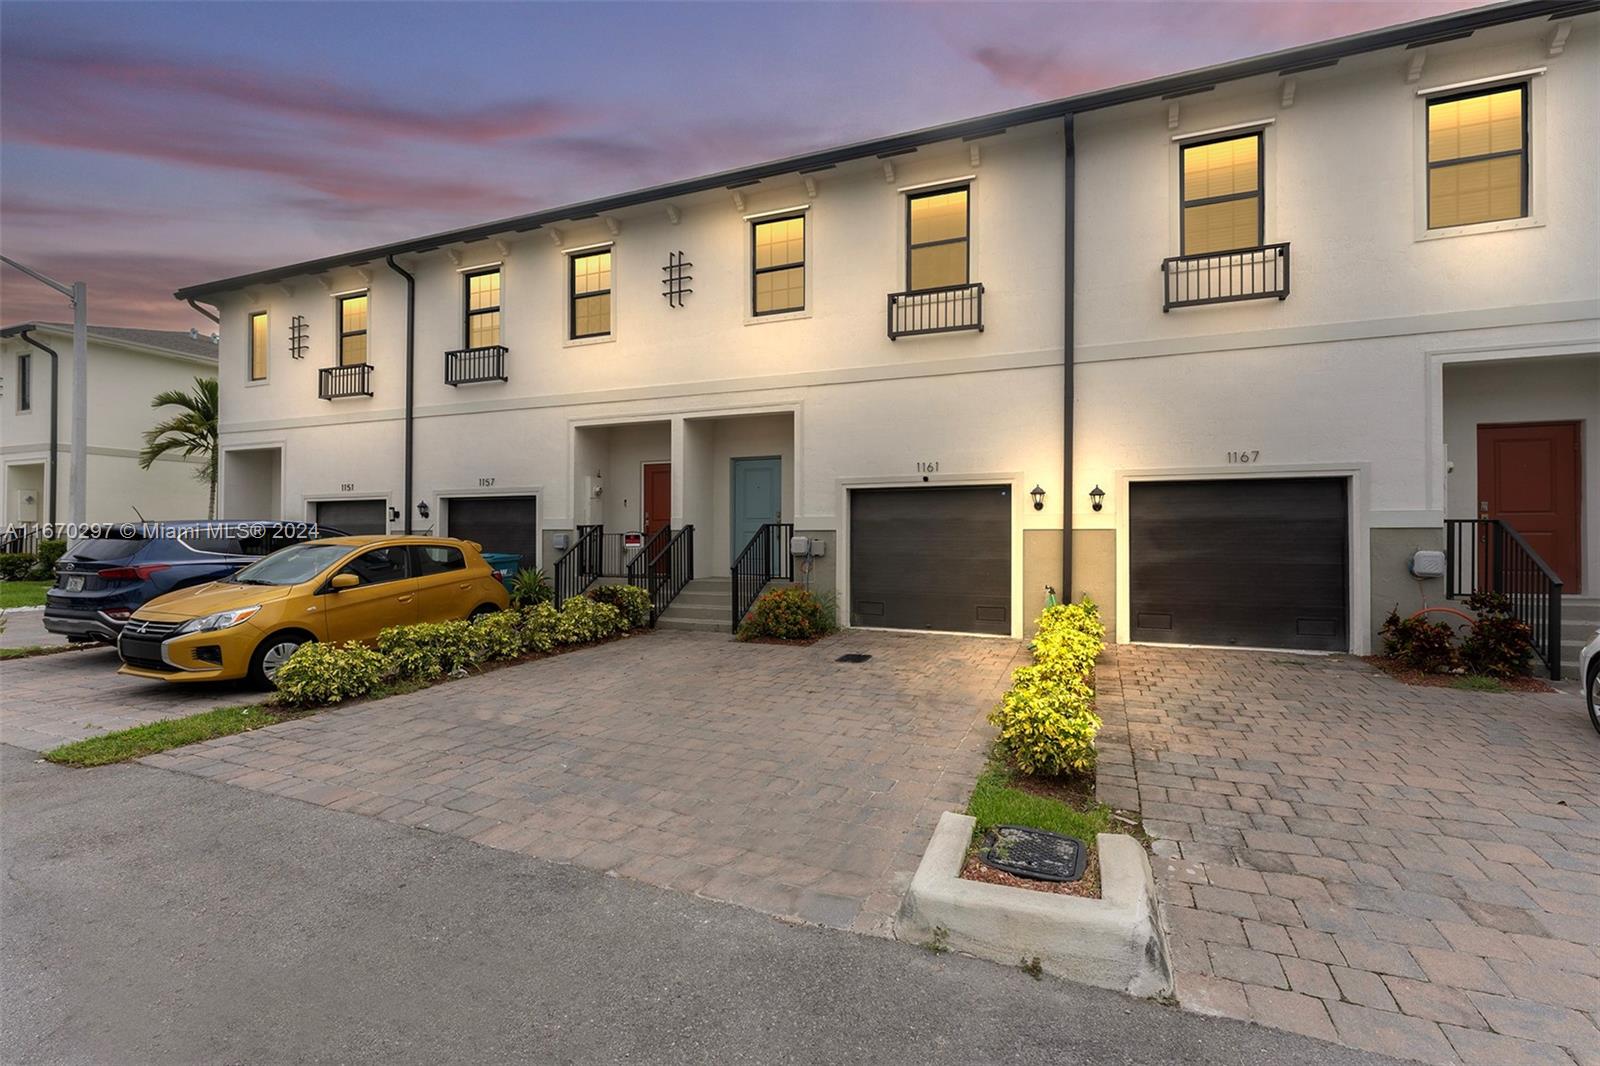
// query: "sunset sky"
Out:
[148,146]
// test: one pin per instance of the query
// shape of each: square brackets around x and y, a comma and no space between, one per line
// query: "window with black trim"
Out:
[259,336]
[1220,191]
[590,286]
[483,308]
[1478,156]
[24,381]
[778,283]
[938,227]
[353,329]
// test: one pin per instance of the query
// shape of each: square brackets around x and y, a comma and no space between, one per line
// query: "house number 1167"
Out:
[1244,457]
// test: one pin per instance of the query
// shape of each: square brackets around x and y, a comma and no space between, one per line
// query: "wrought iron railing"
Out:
[580,566]
[470,366]
[766,558]
[665,568]
[1486,555]
[1224,277]
[942,310]
[638,569]
[22,537]
[343,382]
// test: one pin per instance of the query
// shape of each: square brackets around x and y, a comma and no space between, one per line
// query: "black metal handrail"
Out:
[1224,277]
[764,559]
[580,566]
[664,570]
[470,366]
[636,570]
[343,382]
[945,309]
[22,538]
[1487,555]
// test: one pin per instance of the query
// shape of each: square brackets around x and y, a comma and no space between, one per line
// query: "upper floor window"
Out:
[591,294]
[1220,192]
[353,329]
[25,381]
[483,308]
[258,346]
[938,226]
[779,281]
[1478,157]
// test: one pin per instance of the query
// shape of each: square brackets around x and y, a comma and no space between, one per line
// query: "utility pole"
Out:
[78,293]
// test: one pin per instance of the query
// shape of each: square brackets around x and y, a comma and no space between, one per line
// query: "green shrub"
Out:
[318,674]
[16,566]
[497,636]
[538,625]
[632,601]
[428,650]
[583,621]
[1499,644]
[1420,644]
[788,613]
[529,588]
[49,553]
[1046,719]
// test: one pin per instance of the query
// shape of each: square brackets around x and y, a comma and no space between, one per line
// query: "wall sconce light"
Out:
[394,514]
[1038,498]
[1097,497]
[422,508]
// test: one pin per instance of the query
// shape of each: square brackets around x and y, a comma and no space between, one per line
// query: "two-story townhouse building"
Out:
[128,367]
[965,360]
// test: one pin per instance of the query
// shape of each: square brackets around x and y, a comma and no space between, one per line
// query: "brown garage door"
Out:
[1257,563]
[499,523]
[931,558]
[355,517]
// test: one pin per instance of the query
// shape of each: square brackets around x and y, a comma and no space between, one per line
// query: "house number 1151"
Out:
[1244,457]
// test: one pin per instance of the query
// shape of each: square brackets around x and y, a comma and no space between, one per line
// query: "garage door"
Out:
[1247,562]
[931,558]
[499,523]
[354,516]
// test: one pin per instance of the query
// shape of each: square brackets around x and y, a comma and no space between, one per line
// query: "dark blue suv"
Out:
[101,580]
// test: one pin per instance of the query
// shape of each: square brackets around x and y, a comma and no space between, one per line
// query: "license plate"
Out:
[74,583]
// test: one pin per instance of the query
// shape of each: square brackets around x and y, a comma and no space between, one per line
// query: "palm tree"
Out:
[193,432]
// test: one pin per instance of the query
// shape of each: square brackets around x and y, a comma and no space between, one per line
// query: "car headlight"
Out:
[220,620]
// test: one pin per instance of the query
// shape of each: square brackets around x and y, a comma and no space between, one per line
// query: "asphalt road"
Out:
[150,916]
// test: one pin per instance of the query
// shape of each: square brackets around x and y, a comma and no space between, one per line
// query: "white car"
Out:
[1589,670]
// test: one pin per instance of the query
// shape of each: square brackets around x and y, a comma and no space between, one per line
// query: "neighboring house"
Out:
[127,368]
[867,342]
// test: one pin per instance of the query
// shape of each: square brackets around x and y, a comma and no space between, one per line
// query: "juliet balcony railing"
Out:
[471,366]
[947,309]
[343,382]
[1225,277]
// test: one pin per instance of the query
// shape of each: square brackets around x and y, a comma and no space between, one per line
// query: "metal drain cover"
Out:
[852,657]
[1034,853]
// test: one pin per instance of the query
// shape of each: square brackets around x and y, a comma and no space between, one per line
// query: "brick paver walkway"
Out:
[769,776]
[1414,871]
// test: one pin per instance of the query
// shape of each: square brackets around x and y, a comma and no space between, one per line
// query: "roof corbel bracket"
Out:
[738,200]
[1414,66]
[1558,39]
[672,214]
[287,289]
[454,254]
[612,224]
[555,236]
[973,155]
[365,274]
[1174,113]
[504,248]
[1287,98]
[888,171]
[326,280]
[252,295]
[811,187]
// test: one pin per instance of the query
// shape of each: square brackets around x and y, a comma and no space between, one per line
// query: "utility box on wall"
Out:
[1427,564]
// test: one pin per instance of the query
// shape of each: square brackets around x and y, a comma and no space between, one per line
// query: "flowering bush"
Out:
[428,650]
[787,613]
[632,601]
[1046,719]
[582,620]
[318,674]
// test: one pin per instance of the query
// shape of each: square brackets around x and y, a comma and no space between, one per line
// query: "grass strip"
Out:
[996,802]
[23,593]
[155,737]
[34,650]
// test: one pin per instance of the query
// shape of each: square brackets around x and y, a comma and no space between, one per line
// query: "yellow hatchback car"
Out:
[338,589]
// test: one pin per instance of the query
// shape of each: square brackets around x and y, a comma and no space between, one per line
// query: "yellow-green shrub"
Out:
[318,674]
[583,620]
[632,601]
[497,636]
[1046,719]
[428,650]
[539,627]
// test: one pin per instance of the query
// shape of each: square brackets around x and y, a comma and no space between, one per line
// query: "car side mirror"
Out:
[340,582]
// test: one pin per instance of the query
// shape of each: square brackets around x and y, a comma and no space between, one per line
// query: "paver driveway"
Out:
[769,776]
[1414,871]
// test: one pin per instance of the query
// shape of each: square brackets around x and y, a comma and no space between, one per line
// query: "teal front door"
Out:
[757,498]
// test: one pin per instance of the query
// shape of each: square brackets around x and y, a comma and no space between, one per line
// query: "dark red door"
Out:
[1528,475]
[657,496]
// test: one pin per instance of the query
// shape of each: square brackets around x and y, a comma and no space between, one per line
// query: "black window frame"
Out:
[756,272]
[339,302]
[467,310]
[573,295]
[1526,151]
[24,382]
[1260,192]
[250,358]
[966,239]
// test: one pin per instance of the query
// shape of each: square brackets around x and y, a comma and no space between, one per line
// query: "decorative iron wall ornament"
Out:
[676,279]
[297,337]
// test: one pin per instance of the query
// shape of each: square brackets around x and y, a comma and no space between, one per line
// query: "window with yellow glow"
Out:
[353,329]
[1221,195]
[483,308]
[591,294]
[779,283]
[258,346]
[1478,157]
[937,229]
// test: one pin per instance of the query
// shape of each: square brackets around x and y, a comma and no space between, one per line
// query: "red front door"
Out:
[657,496]
[1528,475]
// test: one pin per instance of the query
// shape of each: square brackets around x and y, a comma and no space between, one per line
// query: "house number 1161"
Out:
[1244,457]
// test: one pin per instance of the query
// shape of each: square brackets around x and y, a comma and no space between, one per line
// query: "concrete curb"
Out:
[1114,942]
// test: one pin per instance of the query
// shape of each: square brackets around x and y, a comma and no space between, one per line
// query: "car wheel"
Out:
[481,610]
[271,654]
[1593,688]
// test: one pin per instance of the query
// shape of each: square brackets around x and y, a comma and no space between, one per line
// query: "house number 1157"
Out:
[1244,457]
